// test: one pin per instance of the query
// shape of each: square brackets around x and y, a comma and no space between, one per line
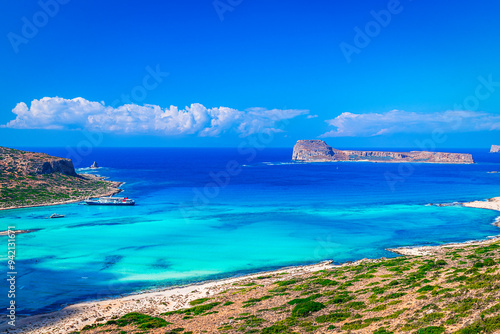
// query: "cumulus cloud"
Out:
[399,121]
[78,113]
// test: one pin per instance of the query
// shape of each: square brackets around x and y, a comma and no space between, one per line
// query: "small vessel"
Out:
[110,201]
[55,215]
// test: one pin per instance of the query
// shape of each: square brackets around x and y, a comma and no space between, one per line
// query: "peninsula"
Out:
[319,151]
[37,179]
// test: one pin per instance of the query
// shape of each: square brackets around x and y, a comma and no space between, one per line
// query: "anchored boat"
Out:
[110,201]
[55,215]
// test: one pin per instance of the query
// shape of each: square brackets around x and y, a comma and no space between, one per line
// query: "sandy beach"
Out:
[490,204]
[431,250]
[74,317]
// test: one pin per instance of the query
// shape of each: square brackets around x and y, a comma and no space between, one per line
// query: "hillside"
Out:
[433,290]
[33,179]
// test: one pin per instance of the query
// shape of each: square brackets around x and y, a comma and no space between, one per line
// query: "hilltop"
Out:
[36,179]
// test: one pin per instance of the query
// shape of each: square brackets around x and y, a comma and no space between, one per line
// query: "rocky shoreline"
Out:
[113,190]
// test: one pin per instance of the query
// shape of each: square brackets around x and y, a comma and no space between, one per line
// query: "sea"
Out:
[212,213]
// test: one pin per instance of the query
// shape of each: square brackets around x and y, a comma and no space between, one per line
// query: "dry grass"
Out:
[454,290]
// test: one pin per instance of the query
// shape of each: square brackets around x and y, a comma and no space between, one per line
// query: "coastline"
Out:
[115,190]
[74,317]
[430,250]
[489,204]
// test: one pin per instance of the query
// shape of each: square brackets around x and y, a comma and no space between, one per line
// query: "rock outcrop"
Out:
[24,163]
[35,179]
[318,150]
[63,166]
[495,149]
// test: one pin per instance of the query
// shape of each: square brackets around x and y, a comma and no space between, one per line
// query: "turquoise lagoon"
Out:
[192,222]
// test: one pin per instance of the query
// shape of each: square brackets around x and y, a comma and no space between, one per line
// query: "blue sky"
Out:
[428,72]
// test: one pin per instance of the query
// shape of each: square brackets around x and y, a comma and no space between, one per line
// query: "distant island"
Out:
[37,179]
[319,151]
[495,149]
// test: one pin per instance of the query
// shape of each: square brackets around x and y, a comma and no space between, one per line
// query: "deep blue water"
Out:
[212,213]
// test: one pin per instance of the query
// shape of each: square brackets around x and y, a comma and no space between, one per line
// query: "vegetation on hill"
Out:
[24,180]
[455,290]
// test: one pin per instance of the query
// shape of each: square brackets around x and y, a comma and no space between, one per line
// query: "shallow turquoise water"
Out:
[271,214]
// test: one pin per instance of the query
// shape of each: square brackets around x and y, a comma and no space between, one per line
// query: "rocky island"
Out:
[37,179]
[495,149]
[319,151]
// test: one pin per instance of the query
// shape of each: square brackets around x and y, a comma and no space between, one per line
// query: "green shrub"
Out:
[198,301]
[491,310]
[306,308]
[286,283]
[431,330]
[433,316]
[355,325]
[302,300]
[333,317]
[324,282]
[197,310]
[426,288]
[142,321]
[356,305]
[488,325]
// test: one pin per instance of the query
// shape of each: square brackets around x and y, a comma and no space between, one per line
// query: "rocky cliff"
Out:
[25,163]
[33,179]
[495,149]
[318,150]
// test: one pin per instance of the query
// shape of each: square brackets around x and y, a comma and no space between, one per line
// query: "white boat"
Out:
[110,201]
[55,215]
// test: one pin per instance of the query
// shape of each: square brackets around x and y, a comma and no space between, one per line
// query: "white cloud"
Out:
[78,113]
[312,116]
[399,121]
